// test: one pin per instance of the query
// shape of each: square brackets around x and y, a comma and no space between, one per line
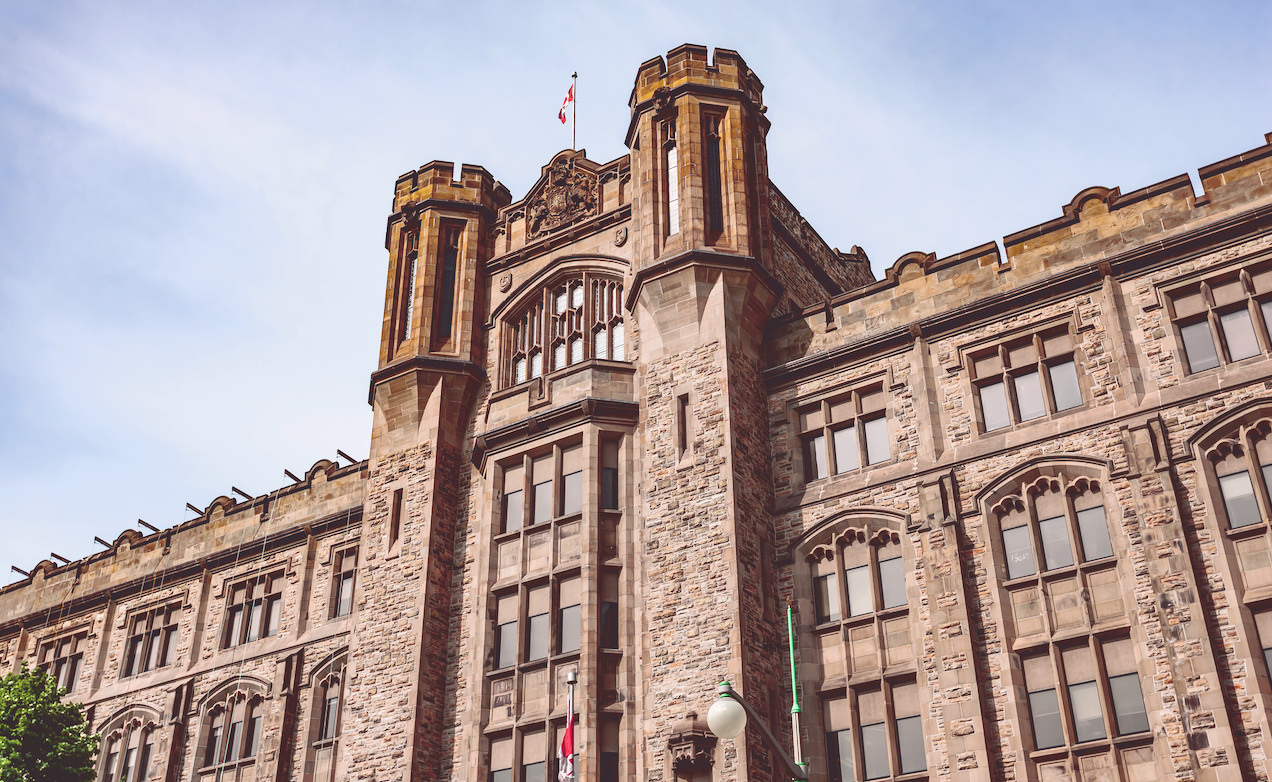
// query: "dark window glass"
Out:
[993,401]
[826,597]
[877,449]
[910,745]
[1199,346]
[506,645]
[1267,313]
[609,488]
[232,742]
[570,628]
[1128,704]
[609,766]
[572,485]
[1267,659]
[130,755]
[538,637]
[253,737]
[1056,551]
[446,285]
[839,755]
[1064,385]
[1029,396]
[254,620]
[214,741]
[272,613]
[892,582]
[512,511]
[134,655]
[542,500]
[860,596]
[1088,723]
[1044,712]
[1094,529]
[143,763]
[532,772]
[847,456]
[1238,333]
[815,457]
[1019,551]
[874,750]
[609,625]
[234,625]
[111,760]
[501,775]
[715,193]
[1238,499]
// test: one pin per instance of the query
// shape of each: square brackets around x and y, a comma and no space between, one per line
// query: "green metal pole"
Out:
[795,710]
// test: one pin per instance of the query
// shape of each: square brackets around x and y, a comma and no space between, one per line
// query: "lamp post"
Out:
[727,717]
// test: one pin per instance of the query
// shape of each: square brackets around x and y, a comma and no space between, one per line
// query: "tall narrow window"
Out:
[534,749]
[506,631]
[395,519]
[253,610]
[542,499]
[513,498]
[911,756]
[609,751]
[63,659]
[609,475]
[569,627]
[874,734]
[609,611]
[682,425]
[538,609]
[712,142]
[571,480]
[345,568]
[671,166]
[501,760]
[447,270]
[406,284]
[839,756]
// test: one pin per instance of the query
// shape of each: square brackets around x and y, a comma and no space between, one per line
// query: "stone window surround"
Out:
[337,555]
[527,329]
[145,650]
[849,391]
[891,725]
[1003,343]
[322,750]
[118,734]
[510,747]
[1239,292]
[523,465]
[49,659]
[227,700]
[256,590]
[1080,490]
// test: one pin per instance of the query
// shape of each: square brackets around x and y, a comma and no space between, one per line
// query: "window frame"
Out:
[851,697]
[222,749]
[539,327]
[1006,360]
[865,405]
[141,643]
[342,574]
[271,604]
[66,668]
[1193,302]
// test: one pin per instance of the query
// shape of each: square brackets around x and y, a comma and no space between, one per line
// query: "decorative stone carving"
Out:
[692,746]
[620,236]
[568,196]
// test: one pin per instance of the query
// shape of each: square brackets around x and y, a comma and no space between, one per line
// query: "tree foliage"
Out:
[42,738]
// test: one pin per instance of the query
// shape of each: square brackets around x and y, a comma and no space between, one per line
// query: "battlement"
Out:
[688,65]
[326,490]
[437,181]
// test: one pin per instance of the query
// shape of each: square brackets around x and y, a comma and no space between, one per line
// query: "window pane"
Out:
[1044,712]
[815,458]
[619,346]
[600,348]
[609,625]
[214,740]
[506,645]
[272,614]
[877,449]
[1088,723]
[910,745]
[1267,313]
[231,742]
[330,715]
[892,582]
[572,485]
[512,511]
[570,627]
[874,750]
[558,356]
[1128,704]
[542,501]
[609,766]
[143,762]
[1029,396]
[860,597]
[1056,551]
[536,364]
[501,775]
[253,737]
[1019,551]
[538,632]
[826,597]
[1238,332]
[519,371]
[1199,346]
[254,621]
[1064,385]
[839,755]
[576,350]
[609,488]
[993,401]
[532,772]
[1238,499]
[847,456]
[1094,529]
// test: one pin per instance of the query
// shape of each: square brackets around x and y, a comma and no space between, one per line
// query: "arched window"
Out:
[231,736]
[1076,669]
[128,750]
[870,698]
[574,320]
[328,682]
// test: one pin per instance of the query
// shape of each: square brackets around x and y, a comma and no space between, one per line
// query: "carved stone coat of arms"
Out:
[568,195]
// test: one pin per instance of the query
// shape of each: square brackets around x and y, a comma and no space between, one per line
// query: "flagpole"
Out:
[574,129]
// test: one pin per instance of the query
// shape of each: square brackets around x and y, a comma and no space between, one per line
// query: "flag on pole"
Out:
[565,758]
[569,98]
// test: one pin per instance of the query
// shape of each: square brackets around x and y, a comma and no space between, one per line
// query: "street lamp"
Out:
[727,717]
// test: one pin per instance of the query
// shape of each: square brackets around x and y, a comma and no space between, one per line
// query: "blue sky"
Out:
[192,196]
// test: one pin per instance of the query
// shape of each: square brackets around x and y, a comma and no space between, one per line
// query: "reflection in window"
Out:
[1025,378]
[843,434]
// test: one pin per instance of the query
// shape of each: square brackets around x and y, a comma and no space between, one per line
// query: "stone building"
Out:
[1018,497]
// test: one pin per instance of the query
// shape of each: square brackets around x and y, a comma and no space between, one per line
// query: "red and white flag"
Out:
[569,98]
[565,758]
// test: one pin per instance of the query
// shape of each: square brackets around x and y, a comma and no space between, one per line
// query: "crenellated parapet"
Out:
[687,66]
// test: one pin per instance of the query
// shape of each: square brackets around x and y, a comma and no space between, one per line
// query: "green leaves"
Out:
[42,739]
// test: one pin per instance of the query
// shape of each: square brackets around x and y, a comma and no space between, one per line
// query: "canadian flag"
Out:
[565,757]
[569,98]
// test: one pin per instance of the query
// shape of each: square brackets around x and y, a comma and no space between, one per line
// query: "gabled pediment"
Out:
[568,192]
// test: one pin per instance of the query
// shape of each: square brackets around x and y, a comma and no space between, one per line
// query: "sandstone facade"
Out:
[1018,498]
